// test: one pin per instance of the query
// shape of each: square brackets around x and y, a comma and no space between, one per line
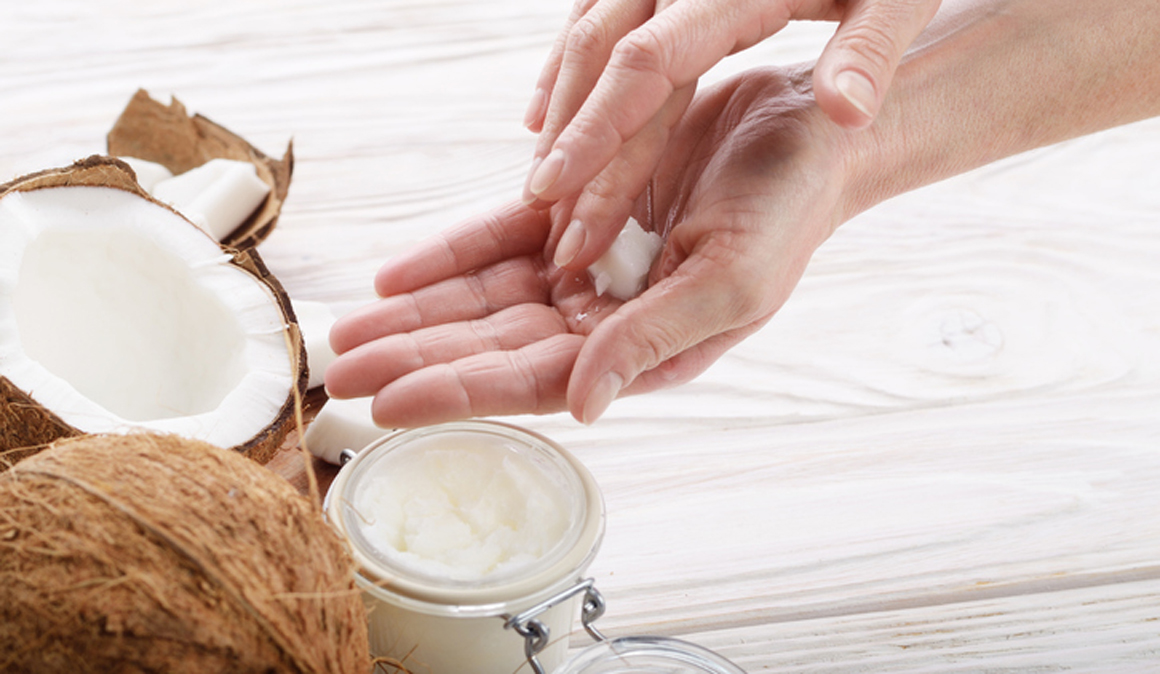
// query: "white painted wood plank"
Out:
[1112,629]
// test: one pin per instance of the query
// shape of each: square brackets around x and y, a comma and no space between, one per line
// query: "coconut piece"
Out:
[217,196]
[151,553]
[314,321]
[168,135]
[118,314]
[623,269]
[342,424]
[148,173]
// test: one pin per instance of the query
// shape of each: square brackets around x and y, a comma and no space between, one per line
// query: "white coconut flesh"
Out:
[342,424]
[125,316]
[217,196]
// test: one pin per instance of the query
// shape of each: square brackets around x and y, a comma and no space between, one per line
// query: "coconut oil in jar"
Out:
[456,528]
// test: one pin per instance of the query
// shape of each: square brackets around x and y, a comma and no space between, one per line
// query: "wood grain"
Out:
[943,455]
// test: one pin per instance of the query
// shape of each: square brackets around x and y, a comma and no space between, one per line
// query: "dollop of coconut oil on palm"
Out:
[462,508]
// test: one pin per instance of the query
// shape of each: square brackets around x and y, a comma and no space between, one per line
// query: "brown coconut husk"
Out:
[26,427]
[151,553]
[168,135]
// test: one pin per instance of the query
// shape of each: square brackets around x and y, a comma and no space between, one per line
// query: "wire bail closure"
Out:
[537,635]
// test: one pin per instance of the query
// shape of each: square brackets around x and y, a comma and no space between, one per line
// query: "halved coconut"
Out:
[169,136]
[118,314]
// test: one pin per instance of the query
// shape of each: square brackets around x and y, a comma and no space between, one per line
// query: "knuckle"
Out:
[746,294]
[537,388]
[599,129]
[587,40]
[749,301]
[477,292]
[654,343]
[457,390]
[644,49]
[530,383]
[608,194]
[484,336]
[582,7]
[874,44]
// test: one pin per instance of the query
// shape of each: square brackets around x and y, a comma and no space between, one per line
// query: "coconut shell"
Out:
[168,135]
[26,427]
[153,553]
[94,171]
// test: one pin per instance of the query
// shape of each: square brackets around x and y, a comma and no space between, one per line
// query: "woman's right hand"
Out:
[623,72]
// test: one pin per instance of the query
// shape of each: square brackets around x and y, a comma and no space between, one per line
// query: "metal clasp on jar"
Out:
[537,635]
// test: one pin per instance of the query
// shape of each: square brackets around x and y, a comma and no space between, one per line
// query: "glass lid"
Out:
[647,655]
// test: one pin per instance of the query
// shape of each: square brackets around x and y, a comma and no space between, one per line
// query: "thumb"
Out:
[666,336]
[855,69]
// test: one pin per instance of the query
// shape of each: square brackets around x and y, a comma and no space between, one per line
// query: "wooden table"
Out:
[943,455]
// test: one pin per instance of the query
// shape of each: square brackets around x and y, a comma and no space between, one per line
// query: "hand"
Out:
[623,72]
[751,180]
[478,321]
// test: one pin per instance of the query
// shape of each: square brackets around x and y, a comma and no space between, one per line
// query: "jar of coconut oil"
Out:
[472,539]
[460,529]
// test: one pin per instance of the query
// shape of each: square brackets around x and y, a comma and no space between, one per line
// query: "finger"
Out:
[538,105]
[688,364]
[668,52]
[461,298]
[509,231]
[587,47]
[715,291]
[528,380]
[607,202]
[856,67]
[364,370]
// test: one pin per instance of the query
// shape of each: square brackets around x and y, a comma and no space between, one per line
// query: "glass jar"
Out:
[438,614]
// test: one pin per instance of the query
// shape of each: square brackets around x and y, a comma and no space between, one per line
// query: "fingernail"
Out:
[547,173]
[535,109]
[859,91]
[601,396]
[570,243]
[528,198]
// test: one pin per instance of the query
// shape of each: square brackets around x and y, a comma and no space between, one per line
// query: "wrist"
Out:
[944,113]
[993,78]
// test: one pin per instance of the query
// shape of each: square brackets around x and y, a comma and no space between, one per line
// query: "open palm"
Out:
[477,321]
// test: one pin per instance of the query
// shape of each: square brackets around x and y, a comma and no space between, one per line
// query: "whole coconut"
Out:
[149,553]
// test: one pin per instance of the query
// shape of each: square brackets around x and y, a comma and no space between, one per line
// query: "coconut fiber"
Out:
[147,553]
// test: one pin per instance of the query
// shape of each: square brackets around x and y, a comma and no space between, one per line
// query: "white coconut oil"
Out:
[464,508]
[623,269]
